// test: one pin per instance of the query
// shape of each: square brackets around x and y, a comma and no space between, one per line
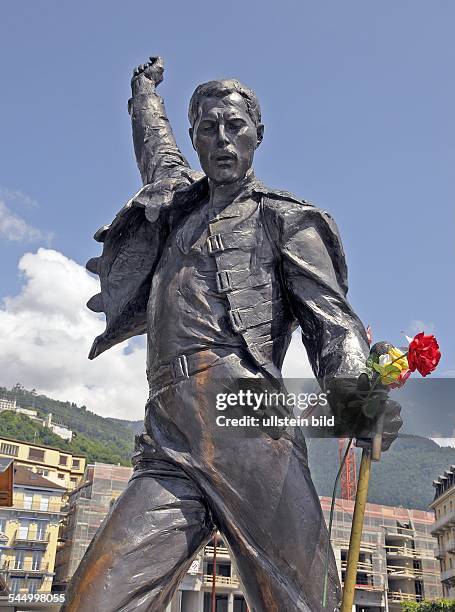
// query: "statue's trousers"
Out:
[192,474]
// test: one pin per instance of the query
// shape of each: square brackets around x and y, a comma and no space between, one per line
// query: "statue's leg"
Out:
[279,537]
[144,547]
[258,488]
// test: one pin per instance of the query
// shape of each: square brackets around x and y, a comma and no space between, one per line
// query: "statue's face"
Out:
[225,138]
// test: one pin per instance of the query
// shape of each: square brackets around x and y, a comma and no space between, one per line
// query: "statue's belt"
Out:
[184,366]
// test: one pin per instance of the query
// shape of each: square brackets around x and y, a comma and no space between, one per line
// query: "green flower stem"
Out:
[332,507]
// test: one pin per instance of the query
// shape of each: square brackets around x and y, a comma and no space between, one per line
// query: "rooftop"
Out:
[25,477]
[444,482]
[60,450]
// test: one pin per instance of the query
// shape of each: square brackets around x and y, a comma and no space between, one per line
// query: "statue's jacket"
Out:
[279,263]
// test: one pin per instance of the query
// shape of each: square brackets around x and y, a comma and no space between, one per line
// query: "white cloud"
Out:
[47,331]
[296,364]
[417,326]
[18,196]
[16,229]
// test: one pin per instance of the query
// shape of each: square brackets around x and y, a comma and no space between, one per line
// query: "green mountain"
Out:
[100,439]
[403,477]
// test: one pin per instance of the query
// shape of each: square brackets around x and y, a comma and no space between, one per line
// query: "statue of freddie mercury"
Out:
[218,270]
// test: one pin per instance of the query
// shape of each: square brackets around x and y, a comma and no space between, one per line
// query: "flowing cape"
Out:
[131,249]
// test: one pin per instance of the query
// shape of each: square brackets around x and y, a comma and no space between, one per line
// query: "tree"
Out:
[443,605]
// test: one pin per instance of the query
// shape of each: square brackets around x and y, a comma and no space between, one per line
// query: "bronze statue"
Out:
[218,270]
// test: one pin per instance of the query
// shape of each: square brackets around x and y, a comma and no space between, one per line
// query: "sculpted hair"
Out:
[219,89]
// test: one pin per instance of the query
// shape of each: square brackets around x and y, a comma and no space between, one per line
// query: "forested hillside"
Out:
[403,477]
[100,439]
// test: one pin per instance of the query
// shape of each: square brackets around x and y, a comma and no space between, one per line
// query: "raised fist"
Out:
[152,71]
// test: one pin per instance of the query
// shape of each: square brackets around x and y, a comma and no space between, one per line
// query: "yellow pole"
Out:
[356,532]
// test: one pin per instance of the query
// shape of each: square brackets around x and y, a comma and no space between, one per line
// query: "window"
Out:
[41,530]
[239,604]
[221,603]
[3,521]
[222,569]
[37,558]
[44,502]
[63,460]
[34,585]
[28,501]
[9,449]
[22,532]
[36,454]
[16,584]
[76,464]
[19,560]
[61,476]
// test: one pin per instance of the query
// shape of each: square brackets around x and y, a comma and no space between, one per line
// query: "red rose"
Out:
[423,354]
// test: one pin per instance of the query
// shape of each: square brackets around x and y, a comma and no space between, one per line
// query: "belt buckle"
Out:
[180,367]
[237,322]
[223,281]
[215,244]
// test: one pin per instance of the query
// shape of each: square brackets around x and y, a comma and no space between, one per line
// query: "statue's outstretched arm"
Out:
[157,154]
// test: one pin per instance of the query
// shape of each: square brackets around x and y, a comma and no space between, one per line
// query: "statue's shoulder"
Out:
[286,211]
[279,202]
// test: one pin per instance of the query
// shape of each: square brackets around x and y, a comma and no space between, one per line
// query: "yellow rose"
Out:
[392,365]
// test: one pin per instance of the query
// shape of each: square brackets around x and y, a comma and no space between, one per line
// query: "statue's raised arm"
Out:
[133,241]
[158,156]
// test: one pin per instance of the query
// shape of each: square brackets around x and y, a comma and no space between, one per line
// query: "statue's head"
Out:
[226,128]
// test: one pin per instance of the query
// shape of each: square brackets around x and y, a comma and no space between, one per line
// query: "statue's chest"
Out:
[233,238]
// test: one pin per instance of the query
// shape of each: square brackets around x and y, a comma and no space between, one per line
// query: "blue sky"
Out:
[357,101]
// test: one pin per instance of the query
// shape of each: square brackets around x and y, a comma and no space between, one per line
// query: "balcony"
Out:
[408,552]
[364,546]
[367,587]
[365,567]
[221,552]
[446,521]
[29,566]
[32,537]
[399,533]
[26,591]
[222,581]
[397,571]
[37,506]
[398,596]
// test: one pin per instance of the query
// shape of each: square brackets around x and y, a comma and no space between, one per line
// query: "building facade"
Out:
[195,591]
[86,508]
[397,557]
[397,560]
[444,528]
[29,531]
[61,467]
[6,404]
